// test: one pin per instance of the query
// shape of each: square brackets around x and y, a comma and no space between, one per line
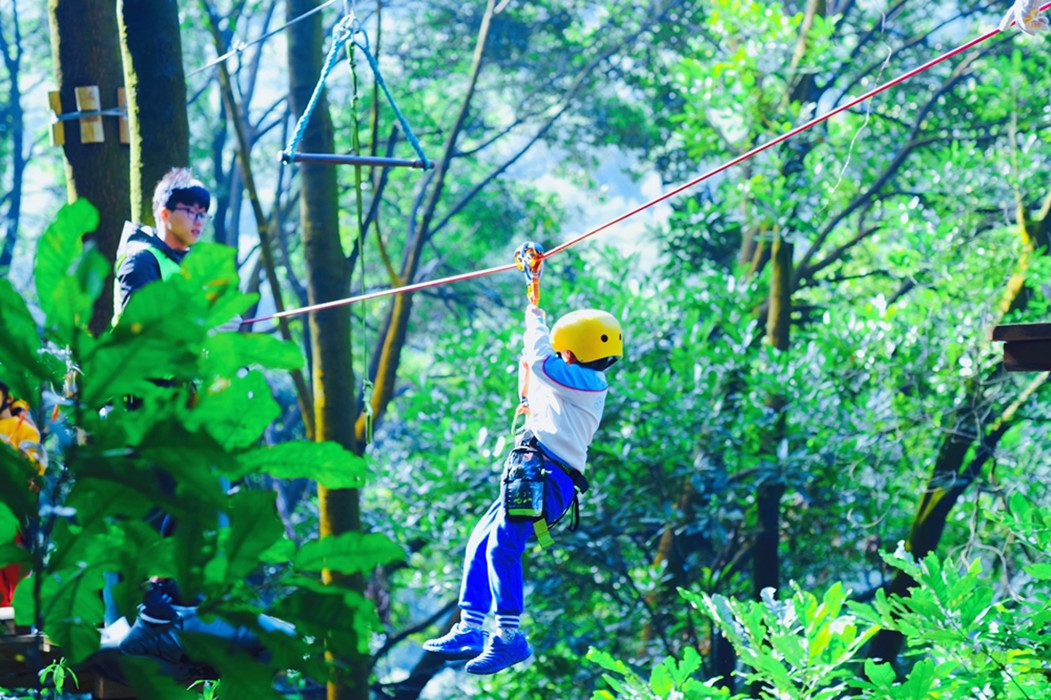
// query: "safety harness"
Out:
[526,473]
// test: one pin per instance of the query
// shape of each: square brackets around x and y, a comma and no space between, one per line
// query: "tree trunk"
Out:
[85,51]
[972,423]
[15,124]
[159,127]
[328,278]
[766,563]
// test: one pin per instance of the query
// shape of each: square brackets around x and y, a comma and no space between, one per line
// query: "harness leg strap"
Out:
[543,535]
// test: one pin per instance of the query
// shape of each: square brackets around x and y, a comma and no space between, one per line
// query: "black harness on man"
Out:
[526,473]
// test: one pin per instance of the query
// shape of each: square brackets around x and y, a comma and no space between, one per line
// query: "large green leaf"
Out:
[189,457]
[8,524]
[254,528]
[212,269]
[11,553]
[65,280]
[348,553]
[327,463]
[20,363]
[73,613]
[16,475]
[229,351]
[342,617]
[236,415]
[160,336]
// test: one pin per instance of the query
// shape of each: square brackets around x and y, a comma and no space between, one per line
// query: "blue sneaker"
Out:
[500,654]
[462,642]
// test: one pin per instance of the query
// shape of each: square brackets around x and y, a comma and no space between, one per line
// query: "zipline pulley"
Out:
[529,258]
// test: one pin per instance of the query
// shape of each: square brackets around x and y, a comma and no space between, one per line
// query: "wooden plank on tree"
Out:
[58,129]
[88,100]
[1027,355]
[1021,331]
[122,101]
[1027,346]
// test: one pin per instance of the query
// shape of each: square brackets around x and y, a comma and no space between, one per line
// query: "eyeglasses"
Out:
[195,215]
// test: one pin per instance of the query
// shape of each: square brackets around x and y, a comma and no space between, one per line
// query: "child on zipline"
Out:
[565,392]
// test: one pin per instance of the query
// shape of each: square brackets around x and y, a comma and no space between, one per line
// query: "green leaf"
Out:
[1041,571]
[233,350]
[59,290]
[920,679]
[8,524]
[329,612]
[327,463]
[16,473]
[881,674]
[19,344]
[348,553]
[606,661]
[236,415]
[158,337]
[73,613]
[11,553]
[660,679]
[254,528]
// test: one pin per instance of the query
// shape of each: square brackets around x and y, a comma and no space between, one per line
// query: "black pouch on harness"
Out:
[522,487]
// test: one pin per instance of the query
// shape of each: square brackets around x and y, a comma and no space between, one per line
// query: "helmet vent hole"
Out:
[605,337]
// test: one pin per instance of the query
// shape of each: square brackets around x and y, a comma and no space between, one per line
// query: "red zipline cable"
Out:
[758,149]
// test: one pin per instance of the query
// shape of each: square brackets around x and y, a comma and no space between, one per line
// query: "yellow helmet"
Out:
[594,337]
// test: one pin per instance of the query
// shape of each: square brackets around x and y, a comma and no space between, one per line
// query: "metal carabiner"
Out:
[529,258]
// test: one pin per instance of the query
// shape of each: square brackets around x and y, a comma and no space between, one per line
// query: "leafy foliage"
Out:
[969,644]
[197,428]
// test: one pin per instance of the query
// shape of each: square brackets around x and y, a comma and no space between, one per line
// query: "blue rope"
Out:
[341,34]
[390,98]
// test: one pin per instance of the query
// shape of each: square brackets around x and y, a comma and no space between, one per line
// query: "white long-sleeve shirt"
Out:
[565,401]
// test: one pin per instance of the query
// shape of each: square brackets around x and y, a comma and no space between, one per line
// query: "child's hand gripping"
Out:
[530,259]
[1026,14]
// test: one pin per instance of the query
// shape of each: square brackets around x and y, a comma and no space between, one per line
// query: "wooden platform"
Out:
[1027,346]
[21,654]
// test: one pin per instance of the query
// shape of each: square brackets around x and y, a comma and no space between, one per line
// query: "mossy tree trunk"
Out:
[151,49]
[328,279]
[85,51]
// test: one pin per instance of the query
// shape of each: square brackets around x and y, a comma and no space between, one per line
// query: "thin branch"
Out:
[892,168]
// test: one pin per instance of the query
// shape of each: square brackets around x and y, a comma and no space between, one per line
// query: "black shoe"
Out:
[159,641]
[157,604]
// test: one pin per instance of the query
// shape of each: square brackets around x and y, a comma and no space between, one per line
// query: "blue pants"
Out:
[492,569]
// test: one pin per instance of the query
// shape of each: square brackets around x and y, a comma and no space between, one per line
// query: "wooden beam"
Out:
[1027,346]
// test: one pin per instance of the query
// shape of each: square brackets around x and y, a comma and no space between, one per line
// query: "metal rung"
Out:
[337,159]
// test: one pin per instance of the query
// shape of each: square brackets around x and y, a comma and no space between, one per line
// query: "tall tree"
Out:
[85,51]
[151,47]
[328,279]
[13,122]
